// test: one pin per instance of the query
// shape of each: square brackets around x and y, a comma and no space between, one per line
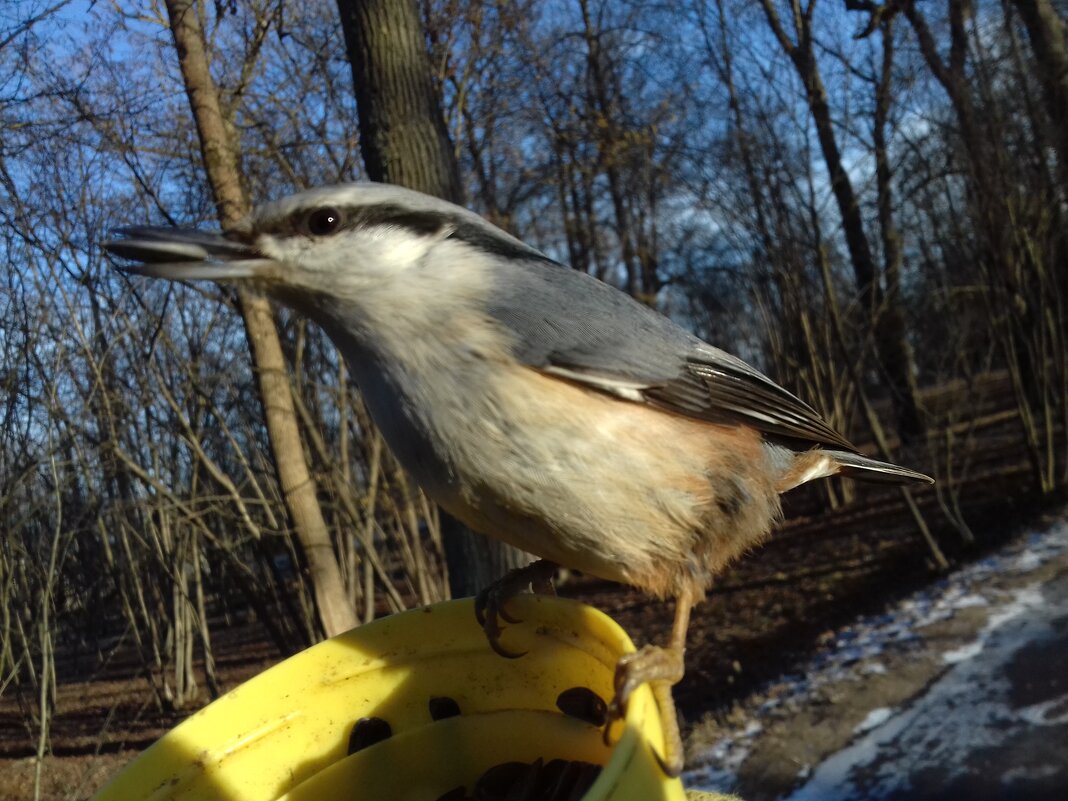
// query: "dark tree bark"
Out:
[404,141]
[1022,300]
[298,486]
[403,136]
[639,262]
[886,316]
[896,352]
[1046,31]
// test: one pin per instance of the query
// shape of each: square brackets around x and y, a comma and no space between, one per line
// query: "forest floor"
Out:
[767,616]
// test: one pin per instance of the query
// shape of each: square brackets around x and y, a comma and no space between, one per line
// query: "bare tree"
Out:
[662,147]
[298,487]
[882,308]
[1023,294]
[1049,42]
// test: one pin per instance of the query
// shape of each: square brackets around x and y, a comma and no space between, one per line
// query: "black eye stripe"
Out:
[328,220]
[419,222]
[424,223]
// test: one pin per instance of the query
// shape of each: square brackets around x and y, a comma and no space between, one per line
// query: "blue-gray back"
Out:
[568,322]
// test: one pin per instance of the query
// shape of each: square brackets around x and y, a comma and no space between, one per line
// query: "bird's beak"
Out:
[181,254]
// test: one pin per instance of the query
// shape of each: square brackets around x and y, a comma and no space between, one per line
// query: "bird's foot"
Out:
[490,603]
[662,668]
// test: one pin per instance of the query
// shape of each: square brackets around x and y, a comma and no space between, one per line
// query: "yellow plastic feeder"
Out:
[417,707]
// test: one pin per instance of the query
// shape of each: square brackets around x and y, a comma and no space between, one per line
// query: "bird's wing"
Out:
[568,324]
[717,384]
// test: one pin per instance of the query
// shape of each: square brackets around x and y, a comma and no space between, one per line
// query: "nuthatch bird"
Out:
[533,402]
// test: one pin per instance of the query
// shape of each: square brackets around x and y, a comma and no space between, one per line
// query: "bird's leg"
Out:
[489,604]
[662,668]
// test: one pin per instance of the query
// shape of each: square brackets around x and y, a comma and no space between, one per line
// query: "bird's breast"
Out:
[611,487]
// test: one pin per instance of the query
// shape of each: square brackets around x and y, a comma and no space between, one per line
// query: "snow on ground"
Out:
[931,726]
[967,713]
[877,717]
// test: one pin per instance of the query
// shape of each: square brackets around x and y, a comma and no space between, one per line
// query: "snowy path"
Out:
[986,719]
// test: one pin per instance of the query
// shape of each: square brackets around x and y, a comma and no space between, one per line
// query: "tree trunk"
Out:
[896,353]
[1046,31]
[642,281]
[403,136]
[298,487]
[884,312]
[1021,307]
[404,141]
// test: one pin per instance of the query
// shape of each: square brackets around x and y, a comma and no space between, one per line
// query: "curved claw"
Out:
[613,714]
[502,613]
[617,707]
[487,601]
[502,651]
[672,767]
[481,602]
[626,680]
[488,610]
[490,603]
[661,668]
[492,629]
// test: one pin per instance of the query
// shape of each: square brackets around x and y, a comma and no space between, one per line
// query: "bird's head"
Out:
[350,241]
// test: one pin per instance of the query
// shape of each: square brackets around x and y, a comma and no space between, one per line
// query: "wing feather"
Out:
[571,325]
[720,391]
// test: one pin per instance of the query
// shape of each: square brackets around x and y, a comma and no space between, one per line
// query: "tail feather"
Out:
[864,469]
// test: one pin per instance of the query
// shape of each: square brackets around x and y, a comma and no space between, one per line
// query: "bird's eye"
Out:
[323,222]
